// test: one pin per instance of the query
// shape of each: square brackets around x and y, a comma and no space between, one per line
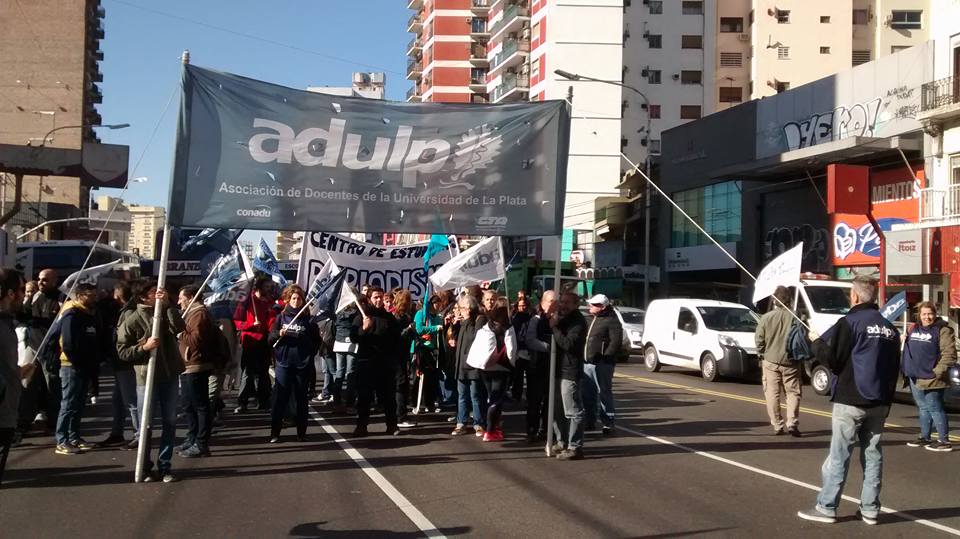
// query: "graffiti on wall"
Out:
[859,120]
[816,244]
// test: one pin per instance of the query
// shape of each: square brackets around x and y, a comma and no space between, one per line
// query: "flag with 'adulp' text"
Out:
[482,262]
[87,276]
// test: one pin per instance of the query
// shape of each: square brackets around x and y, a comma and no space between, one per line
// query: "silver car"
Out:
[631,319]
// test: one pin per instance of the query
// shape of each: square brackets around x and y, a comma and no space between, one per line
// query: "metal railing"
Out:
[413,66]
[509,84]
[510,46]
[939,93]
[481,3]
[414,19]
[478,52]
[414,43]
[509,14]
[413,92]
[940,203]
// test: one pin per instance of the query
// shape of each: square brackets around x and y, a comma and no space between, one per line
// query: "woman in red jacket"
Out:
[254,318]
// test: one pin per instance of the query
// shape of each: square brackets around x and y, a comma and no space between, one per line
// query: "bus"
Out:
[67,256]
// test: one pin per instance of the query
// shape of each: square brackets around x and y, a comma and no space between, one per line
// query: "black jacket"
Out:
[377,343]
[466,334]
[79,344]
[604,337]
[570,336]
[346,319]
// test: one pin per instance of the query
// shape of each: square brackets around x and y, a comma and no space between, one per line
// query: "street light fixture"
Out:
[46,138]
[646,205]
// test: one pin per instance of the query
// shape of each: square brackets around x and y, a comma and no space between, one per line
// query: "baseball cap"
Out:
[599,299]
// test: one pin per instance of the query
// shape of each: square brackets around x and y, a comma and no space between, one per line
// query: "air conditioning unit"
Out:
[676,76]
[626,34]
[645,72]
[744,37]
[646,34]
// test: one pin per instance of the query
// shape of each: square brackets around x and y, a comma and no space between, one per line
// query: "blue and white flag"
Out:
[218,239]
[895,308]
[229,285]
[326,297]
[263,260]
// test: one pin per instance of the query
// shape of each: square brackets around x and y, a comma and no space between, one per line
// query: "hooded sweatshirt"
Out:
[78,337]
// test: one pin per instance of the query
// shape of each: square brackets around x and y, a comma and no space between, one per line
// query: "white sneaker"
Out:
[406,424]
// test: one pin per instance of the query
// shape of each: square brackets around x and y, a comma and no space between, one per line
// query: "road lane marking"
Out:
[812,411]
[398,499]
[887,510]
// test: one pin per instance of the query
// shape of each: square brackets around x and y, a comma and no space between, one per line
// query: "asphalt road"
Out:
[691,459]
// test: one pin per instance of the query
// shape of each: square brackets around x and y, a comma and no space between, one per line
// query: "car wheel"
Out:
[708,367]
[650,359]
[820,379]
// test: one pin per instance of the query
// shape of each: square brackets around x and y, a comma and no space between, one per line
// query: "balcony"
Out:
[415,25]
[480,8]
[478,28]
[512,88]
[478,56]
[415,46]
[415,4]
[940,100]
[479,84]
[513,19]
[512,53]
[413,69]
[940,204]
[413,94]
[480,99]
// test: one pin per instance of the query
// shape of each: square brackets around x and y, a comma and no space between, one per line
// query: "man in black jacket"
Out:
[604,342]
[43,392]
[569,333]
[78,360]
[864,355]
[376,334]
[537,338]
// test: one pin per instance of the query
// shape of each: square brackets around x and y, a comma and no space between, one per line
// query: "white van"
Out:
[713,337]
[822,302]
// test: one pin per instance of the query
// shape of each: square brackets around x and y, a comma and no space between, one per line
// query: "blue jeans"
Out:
[598,379]
[124,401]
[329,364]
[346,371]
[931,412]
[471,392]
[196,407]
[74,386]
[853,425]
[290,381]
[165,396]
[568,426]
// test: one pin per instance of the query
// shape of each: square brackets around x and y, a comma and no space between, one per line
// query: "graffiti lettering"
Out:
[816,244]
[842,122]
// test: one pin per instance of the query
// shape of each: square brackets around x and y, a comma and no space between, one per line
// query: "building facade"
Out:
[49,57]
[145,223]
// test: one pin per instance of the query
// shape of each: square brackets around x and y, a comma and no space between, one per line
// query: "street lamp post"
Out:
[647,164]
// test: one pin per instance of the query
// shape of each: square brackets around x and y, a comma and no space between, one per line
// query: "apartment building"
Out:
[49,58]
[145,223]
[693,58]
[448,51]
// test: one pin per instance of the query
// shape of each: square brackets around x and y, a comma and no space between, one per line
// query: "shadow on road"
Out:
[315,529]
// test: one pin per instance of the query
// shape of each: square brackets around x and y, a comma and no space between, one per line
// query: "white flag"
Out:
[482,262]
[87,276]
[781,271]
[347,297]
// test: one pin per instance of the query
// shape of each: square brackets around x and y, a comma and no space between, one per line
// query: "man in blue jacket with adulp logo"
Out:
[864,355]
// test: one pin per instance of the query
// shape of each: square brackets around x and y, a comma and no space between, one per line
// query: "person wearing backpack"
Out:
[782,376]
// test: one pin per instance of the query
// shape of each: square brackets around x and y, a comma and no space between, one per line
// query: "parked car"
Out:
[715,338]
[631,319]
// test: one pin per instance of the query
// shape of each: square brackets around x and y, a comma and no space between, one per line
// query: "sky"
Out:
[294,43]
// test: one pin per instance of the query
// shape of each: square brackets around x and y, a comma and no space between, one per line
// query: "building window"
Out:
[655,41]
[654,112]
[689,112]
[691,77]
[731,94]
[861,57]
[783,16]
[861,16]
[731,25]
[692,8]
[656,7]
[825,19]
[653,76]
[655,146]
[955,169]
[716,207]
[691,42]
[783,53]
[731,59]
[902,19]
[535,67]
[824,50]
[782,87]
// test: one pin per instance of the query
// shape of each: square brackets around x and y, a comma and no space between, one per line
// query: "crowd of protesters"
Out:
[461,356]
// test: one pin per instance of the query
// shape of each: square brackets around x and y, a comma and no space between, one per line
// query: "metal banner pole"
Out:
[145,414]
[552,393]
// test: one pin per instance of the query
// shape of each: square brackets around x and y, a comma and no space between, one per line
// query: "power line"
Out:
[256,37]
